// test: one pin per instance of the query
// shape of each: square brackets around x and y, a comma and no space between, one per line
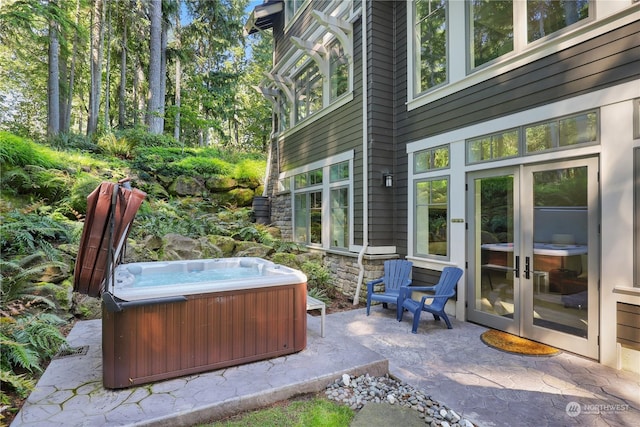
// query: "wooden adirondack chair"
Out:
[396,275]
[444,289]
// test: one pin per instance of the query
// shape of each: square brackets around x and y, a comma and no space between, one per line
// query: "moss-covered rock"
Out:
[218,184]
[252,249]
[241,196]
[187,186]
[226,244]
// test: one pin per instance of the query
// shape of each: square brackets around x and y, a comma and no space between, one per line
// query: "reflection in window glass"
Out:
[491,30]
[285,113]
[301,217]
[541,137]
[548,16]
[578,129]
[433,158]
[340,217]
[431,30]
[315,177]
[338,70]
[315,216]
[339,172]
[431,217]
[497,146]
[308,89]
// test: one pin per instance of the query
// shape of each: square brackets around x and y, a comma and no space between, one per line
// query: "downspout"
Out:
[267,174]
[365,158]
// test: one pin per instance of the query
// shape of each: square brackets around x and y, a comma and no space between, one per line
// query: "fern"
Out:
[28,341]
[17,278]
[20,383]
[28,233]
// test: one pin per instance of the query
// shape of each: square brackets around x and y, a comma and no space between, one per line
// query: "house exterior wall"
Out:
[601,71]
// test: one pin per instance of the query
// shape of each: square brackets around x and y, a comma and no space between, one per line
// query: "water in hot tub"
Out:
[158,278]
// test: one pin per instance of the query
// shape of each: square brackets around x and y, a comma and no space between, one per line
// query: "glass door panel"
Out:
[559,247]
[495,289]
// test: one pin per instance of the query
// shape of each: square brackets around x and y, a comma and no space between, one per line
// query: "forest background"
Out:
[159,91]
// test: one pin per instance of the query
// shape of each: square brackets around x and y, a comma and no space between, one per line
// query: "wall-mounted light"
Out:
[387,179]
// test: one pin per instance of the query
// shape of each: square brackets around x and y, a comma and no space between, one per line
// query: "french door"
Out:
[533,252]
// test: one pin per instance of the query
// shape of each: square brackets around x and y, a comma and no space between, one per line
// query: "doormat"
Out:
[513,344]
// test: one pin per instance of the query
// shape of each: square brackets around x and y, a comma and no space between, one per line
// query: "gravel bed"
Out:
[356,392]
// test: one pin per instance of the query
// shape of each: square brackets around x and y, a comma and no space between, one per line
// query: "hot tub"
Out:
[234,311]
[163,320]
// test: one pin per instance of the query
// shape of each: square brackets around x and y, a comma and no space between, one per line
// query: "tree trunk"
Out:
[154,107]
[177,99]
[123,75]
[107,89]
[97,37]
[53,84]
[65,120]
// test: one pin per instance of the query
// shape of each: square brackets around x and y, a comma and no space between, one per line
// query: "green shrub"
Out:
[139,137]
[82,187]
[17,151]
[318,278]
[118,147]
[72,141]
[202,166]
[250,169]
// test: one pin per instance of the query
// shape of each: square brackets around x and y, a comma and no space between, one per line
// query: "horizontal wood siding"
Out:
[628,325]
[380,122]
[604,61]
[337,132]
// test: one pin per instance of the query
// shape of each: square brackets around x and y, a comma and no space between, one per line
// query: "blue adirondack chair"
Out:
[396,275]
[444,289]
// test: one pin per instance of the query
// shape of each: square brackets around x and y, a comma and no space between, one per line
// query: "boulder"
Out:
[178,247]
[225,244]
[187,186]
[218,184]
[252,249]
[241,196]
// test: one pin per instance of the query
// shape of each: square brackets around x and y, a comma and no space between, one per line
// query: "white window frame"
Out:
[430,177]
[325,187]
[326,27]
[604,16]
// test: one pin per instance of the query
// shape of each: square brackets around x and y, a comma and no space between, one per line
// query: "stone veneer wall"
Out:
[344,269]
[281,215]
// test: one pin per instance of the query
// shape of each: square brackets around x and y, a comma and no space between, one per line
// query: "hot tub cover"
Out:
[111,208]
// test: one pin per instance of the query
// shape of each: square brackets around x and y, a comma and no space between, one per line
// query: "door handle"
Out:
[516,270]
[527,267]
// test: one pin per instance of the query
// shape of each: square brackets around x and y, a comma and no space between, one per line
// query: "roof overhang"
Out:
[261,18]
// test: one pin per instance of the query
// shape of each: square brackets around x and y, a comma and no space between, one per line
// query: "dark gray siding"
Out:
[380,122]
[335,133]
[610,59]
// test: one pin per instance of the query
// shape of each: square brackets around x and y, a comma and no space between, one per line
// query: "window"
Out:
[491,30]
[339,177]
[323,192]
[431,43]
[308,91]
[433,158]
[545,17]
[560,133]
[431,217]
[291,7]
[308,207]
[564,132]
[497,146]
[338,70]
[456,44]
